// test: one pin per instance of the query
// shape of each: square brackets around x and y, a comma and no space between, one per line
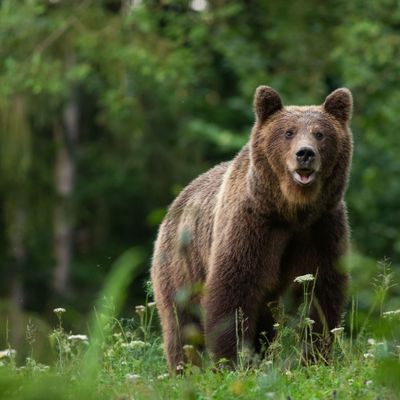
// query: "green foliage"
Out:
[370,46]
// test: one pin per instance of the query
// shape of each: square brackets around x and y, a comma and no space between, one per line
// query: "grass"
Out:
[123,358]
[131,368]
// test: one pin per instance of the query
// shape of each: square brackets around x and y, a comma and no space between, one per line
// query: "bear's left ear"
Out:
[340,104]
[266,102]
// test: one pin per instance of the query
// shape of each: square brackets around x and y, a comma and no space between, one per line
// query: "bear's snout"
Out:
[306,165]
[305,156]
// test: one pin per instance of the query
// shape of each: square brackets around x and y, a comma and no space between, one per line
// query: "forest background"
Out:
[109,108]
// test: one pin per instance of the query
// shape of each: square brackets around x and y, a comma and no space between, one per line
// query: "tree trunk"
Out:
[15,154]
[65,136]
[18,253]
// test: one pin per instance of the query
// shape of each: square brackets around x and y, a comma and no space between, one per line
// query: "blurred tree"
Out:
[367,60]
[15,155]
[65,137]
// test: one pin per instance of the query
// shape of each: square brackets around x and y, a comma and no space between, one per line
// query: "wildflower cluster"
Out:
[8,353]
[304,278]
[391,314]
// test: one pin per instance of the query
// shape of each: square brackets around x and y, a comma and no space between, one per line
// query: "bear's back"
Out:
[188,225]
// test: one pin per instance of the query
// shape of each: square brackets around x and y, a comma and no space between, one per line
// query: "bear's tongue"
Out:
[304,176]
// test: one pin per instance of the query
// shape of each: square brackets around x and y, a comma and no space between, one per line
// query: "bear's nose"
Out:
[305,156]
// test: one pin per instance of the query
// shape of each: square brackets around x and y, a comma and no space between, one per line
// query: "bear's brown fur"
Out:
[246,228]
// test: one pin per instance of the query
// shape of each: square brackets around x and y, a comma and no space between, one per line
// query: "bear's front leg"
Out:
[331,243]
[244,268]
[231,305]
[329,298]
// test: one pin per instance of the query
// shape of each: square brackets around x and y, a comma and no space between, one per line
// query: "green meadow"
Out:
[122,358]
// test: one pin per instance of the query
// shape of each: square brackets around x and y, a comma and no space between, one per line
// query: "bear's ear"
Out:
[266,103]
[340,104]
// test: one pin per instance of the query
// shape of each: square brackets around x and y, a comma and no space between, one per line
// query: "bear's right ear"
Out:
[266,103]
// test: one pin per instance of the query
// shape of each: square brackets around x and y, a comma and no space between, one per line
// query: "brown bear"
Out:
[246,228]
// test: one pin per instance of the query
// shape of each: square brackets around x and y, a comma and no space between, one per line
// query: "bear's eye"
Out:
[319,135]
[289,134]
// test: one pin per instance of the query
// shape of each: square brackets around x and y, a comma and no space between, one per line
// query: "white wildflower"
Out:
[277,325]
[132,377]
[78,338]
[140,310]
[135,344]
[371,341]
[151,305]
[368,355]
[390,314]
[338,330]
[110,352]
[162,377]
[8,353]
[309,321]
[304,278]
[59,310]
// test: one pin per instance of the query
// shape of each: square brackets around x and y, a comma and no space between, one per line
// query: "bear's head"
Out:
[307,149]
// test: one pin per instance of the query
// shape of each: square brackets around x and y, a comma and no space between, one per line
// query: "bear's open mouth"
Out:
[304,176]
